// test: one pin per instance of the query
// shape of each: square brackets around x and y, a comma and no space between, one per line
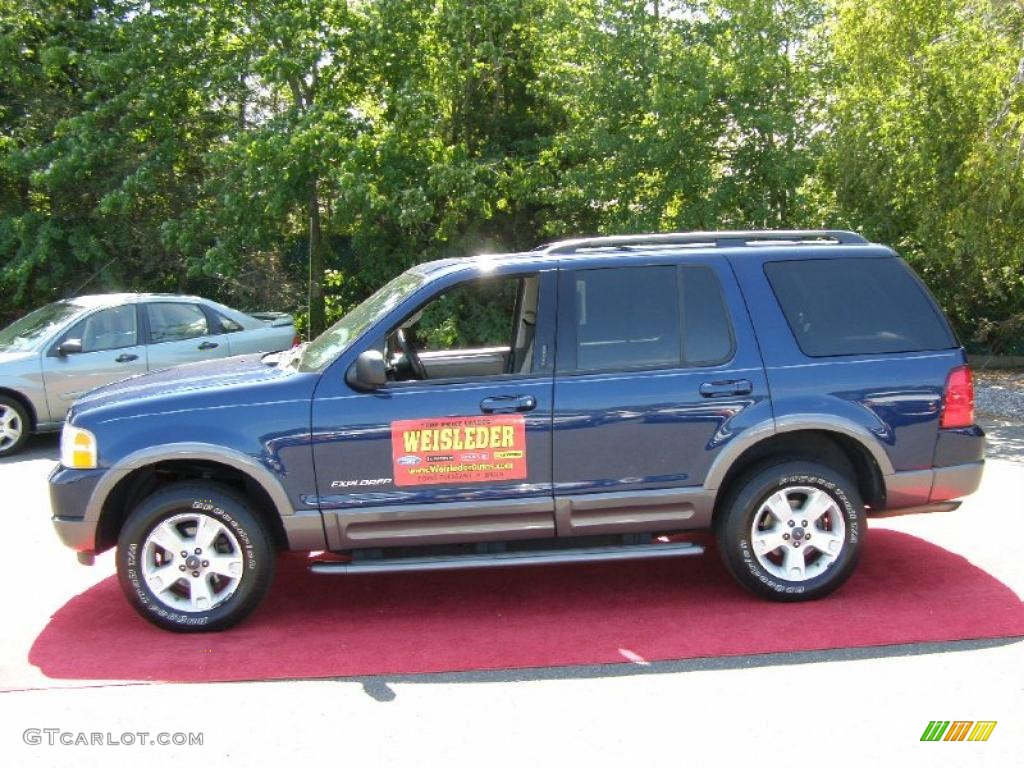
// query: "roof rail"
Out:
[716,239]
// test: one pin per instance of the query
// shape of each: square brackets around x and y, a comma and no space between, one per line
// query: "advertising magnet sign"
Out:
[466,449]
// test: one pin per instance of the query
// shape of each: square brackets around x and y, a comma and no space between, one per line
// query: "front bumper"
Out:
[80,535]
[931,486]
[70,493]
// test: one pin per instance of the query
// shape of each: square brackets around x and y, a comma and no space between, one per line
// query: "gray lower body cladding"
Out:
[530,518]
[929,486]
[580,515]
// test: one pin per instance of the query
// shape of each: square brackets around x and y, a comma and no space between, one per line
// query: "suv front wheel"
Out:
[792,531]
[193,557]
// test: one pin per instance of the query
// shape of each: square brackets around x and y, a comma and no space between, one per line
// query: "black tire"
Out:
[8,405]
[769,572]
[241,542]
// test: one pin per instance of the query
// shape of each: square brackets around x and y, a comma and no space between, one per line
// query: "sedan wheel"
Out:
[13,426]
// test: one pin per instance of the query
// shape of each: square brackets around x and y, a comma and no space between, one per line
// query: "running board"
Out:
[502,559]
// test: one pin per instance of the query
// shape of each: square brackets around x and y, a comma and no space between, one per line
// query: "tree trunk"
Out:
[317,318]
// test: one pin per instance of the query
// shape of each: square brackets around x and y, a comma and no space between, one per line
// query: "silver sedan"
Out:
[61,351]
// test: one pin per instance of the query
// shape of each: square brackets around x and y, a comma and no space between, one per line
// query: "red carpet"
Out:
[905,591]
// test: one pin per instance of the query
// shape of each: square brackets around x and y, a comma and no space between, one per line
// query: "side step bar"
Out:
[502,559]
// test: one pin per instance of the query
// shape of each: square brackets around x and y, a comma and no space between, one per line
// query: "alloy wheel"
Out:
[192,562]
[11,427]
[798,532]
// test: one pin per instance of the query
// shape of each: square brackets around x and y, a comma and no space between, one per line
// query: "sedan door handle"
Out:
[125,357]
[725,388]
[208,345]
[508,403]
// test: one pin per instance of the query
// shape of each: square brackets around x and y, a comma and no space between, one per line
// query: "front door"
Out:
[457,446]
[656,365]
[110,351]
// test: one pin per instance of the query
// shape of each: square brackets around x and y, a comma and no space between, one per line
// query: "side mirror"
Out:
[368,372]
[69,347]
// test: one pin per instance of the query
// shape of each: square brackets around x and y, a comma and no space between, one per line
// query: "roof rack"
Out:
[715,239]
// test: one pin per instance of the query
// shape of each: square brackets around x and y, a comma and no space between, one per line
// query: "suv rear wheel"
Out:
[193,557]
[792,531]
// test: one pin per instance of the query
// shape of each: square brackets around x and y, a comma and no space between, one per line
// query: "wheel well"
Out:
[840,452]
[25,403]
[143,482]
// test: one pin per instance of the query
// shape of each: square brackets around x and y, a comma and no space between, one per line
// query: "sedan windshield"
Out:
[328,345]
[27,332]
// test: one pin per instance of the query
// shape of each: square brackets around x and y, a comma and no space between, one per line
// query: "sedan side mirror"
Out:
[69,347]
[368,372]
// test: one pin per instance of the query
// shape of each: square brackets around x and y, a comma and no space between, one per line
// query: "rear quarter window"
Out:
[857,306]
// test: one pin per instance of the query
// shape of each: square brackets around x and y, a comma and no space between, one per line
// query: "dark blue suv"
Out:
[588,400]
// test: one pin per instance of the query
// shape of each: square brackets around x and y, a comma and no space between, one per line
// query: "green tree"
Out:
[678,115]
[45,74]
[451,123]
[923,148]
[260,151]
[290,72]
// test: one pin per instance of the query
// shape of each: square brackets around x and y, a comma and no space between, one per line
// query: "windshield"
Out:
[328,345]
[28,331]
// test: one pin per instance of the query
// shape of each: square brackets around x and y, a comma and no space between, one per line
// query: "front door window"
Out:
[112,328]
[483,327]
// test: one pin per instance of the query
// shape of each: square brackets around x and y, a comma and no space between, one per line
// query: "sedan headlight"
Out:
[77,448]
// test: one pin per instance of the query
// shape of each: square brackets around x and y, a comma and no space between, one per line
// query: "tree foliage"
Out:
[924,148]
[268,153]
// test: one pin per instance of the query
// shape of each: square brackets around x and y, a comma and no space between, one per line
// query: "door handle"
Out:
[725,388]
[125,357]
[508,403]
[208,345]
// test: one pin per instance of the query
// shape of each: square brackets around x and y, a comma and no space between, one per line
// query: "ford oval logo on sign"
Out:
[409,461]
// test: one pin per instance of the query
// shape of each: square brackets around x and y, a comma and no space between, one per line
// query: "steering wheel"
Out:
[409,351]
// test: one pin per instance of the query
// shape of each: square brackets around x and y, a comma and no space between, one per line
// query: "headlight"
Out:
[77,448]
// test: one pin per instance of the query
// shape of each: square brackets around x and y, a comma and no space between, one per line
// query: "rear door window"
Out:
[175,322]
[226,323]
[857,306]
[627,318]
[649,317]
[707,332]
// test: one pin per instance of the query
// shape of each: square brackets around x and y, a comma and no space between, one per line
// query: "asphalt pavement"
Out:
[864,706]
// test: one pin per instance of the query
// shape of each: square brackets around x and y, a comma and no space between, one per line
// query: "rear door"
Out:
[180,332]
[656,364]
[110,351]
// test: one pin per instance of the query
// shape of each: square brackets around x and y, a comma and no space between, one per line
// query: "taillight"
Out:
[958,401]
[296,340]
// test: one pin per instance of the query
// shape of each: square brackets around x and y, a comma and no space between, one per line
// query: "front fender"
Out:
[304,528]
